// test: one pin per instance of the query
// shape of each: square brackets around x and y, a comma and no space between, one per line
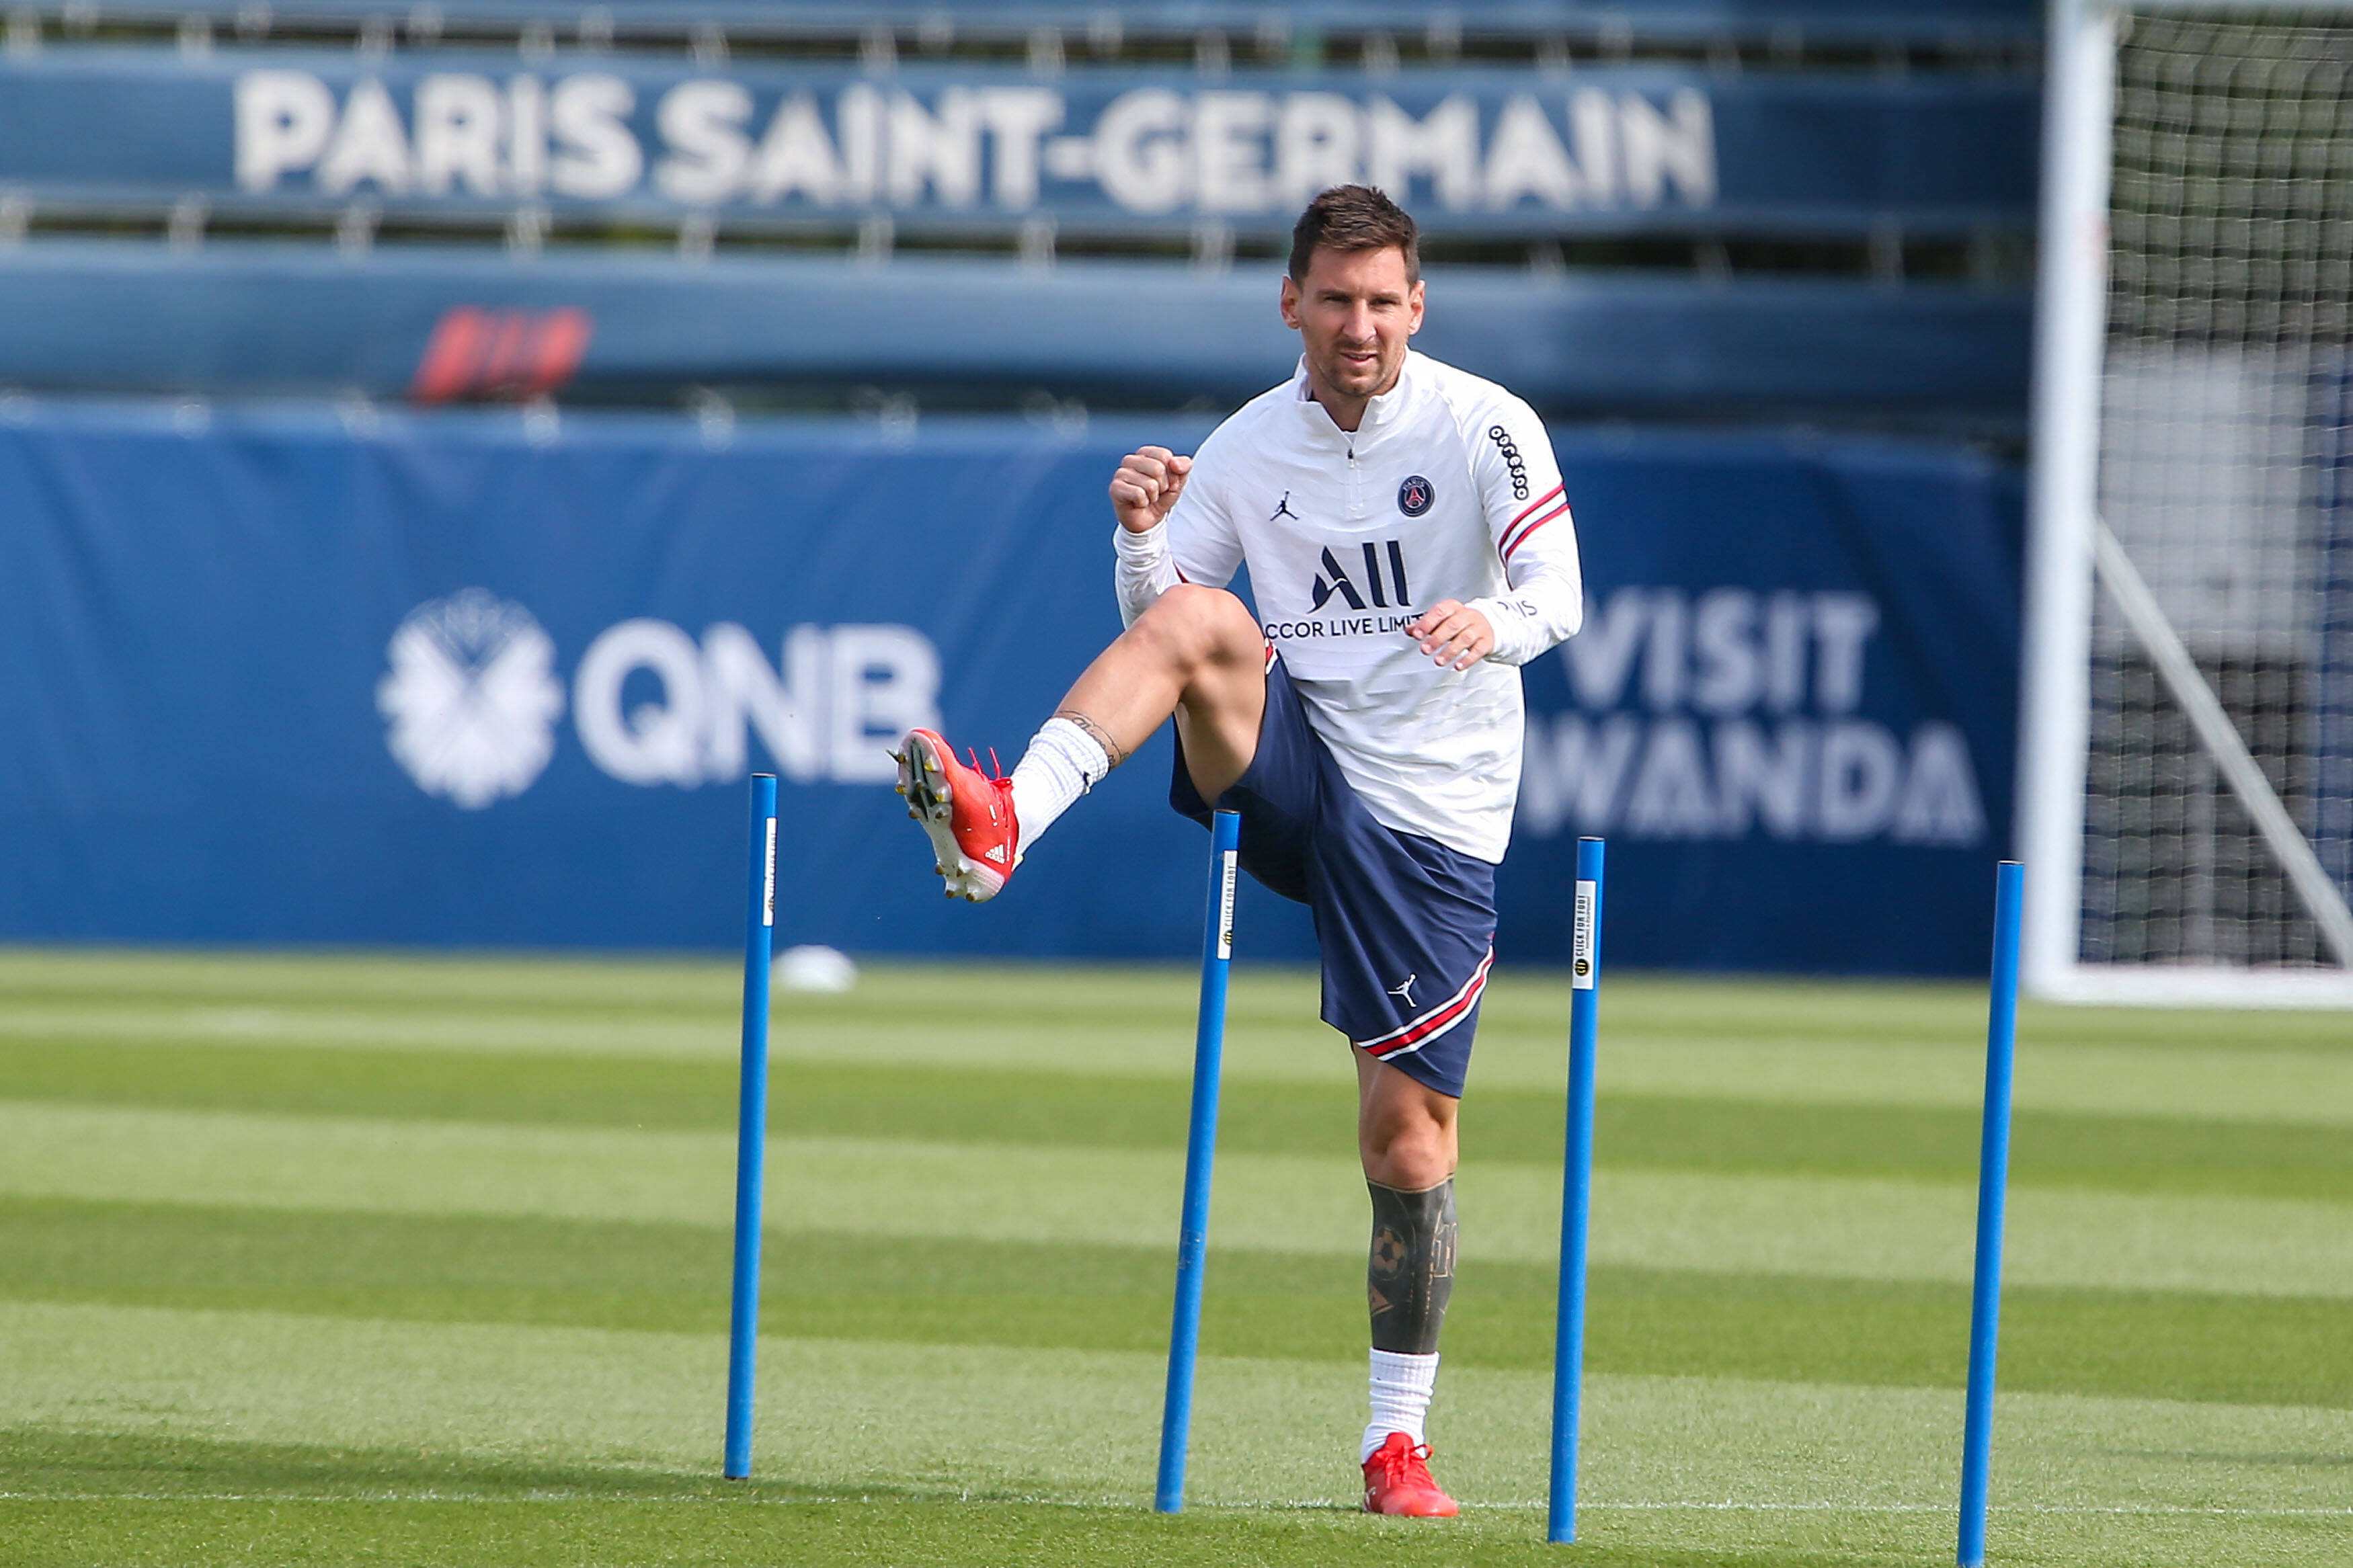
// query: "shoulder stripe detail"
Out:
[1536,506]
[1409,1037]
[1513,541]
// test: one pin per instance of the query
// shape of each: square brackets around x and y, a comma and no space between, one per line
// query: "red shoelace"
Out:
[1406,1465]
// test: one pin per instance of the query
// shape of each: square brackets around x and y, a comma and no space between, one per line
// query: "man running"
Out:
[1408,546]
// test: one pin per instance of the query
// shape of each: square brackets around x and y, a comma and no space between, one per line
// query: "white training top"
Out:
[1447,490]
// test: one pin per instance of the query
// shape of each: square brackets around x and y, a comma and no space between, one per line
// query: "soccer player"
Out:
[1408,546]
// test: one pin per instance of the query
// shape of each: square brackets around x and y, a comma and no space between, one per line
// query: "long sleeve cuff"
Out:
[1145,569]
[1519,633]
[1541,610]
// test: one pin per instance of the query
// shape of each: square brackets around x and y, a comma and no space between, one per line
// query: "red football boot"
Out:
[1397,1481]
[968,814]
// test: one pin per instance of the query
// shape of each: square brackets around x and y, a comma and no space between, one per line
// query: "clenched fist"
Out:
[1148,482]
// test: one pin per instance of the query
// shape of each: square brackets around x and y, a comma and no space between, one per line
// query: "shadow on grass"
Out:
[69,1500]
[40,1461]
[2198,1457]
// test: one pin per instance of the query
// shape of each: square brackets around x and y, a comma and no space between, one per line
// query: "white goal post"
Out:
[2185,804]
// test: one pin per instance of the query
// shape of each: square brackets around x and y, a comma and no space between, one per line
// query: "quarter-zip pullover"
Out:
[1446,489]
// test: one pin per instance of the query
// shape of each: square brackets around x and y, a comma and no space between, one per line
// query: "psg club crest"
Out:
[1415,495]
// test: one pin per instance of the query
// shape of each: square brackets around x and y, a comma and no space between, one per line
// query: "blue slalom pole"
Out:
[1993,1184]
[1576,1188]
[750,1126]
[1201,1152]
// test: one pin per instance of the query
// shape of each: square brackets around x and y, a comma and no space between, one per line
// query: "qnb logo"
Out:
[1372,593]
[654,707]
[471,698]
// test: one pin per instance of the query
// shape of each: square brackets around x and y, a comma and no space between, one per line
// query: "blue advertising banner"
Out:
[1790,709]
[1609,148]
[482,678]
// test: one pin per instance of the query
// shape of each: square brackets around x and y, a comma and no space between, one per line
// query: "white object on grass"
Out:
[814,968]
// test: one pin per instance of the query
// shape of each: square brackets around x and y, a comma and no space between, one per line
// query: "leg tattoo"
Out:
[1411,1274]
[1095,732]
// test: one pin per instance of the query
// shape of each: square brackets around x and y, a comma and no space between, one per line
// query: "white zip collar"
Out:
[1382,411]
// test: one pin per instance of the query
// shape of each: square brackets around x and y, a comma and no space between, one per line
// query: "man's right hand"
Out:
[1148,482]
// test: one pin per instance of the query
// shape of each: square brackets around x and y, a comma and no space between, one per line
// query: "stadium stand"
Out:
[1719,211]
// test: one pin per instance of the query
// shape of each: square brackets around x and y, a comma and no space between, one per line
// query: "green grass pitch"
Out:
[411,1260]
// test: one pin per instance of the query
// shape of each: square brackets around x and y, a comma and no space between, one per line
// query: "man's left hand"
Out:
[1453,634]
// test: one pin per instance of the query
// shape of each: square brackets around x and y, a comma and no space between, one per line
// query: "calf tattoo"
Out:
[1095,732]
[1410,1275]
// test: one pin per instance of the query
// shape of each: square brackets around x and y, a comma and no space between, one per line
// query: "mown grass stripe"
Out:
[936,1527]
[1081,1426]
[1788,1225]
[1521,999]
[1147,1040]
[2251,1350]
[966,1105]
[2304,1087]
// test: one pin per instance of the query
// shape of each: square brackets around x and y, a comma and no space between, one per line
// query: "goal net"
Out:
[2189,748]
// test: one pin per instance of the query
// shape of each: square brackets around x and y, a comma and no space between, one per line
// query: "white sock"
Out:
[1063,762]
[1401,1388]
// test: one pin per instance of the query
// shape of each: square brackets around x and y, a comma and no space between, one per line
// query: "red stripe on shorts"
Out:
[1434,1023]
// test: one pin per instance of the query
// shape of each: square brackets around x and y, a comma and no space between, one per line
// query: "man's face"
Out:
[1353,315]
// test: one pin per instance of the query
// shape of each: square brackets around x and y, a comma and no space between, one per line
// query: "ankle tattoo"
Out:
[1095,732]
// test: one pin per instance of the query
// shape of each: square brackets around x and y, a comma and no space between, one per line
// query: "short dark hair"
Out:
[1354,217]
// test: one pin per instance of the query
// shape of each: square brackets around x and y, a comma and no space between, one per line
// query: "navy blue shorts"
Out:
[1406,925]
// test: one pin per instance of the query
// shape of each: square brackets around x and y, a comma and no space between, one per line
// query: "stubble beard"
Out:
[1344,378]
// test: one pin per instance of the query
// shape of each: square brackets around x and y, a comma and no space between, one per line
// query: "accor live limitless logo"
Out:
[473,700]
[1335,579]
[1734,713]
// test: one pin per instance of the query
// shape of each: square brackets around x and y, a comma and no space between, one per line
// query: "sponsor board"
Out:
[471,700]
[1730,713]
[444,684]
